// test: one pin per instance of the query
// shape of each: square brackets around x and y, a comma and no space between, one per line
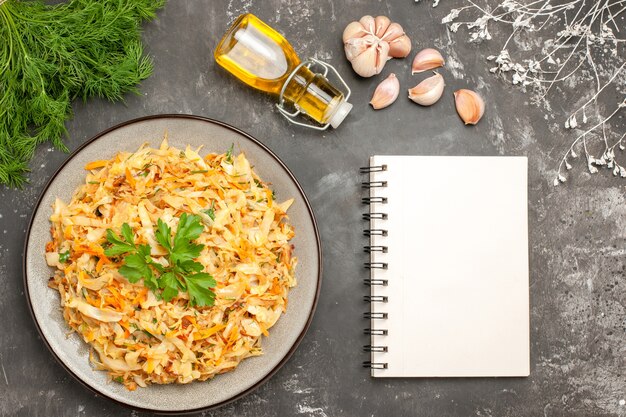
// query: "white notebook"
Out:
[449,266]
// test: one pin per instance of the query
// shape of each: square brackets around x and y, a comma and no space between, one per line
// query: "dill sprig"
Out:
[52,54]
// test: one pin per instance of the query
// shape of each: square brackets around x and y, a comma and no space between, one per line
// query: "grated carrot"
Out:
[96,164]
[130,178]
[203,334]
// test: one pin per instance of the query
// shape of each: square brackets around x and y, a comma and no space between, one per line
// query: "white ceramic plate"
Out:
[284,337]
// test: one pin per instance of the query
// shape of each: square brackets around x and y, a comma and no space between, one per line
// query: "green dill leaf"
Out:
[119,379]
[64,256]
[94,182]
[145,169]
[210,211]
[229,154]
[51,54]
[200,171]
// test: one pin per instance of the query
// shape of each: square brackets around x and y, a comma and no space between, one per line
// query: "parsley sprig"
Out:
[183,273]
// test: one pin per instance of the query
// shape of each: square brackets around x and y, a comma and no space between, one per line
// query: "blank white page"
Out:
[457,266]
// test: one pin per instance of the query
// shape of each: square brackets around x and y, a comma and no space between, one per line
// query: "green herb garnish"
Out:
[183,272]
[229,154]
[64,256]
[200,171]
[119,379]
[210,211]
[51,54]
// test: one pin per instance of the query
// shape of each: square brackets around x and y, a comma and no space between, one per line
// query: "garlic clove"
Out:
[382,23]
[400,47]
[393,31]
[365,64]
[426,59]
[382,57]
[356,46]
[386,92]
[353,30]
[429,91]
[369,24]
[469,105]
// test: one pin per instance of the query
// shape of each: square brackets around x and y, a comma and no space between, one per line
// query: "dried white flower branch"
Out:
[579,40]
[435,2]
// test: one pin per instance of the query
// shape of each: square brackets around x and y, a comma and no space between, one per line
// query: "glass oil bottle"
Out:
[262,58]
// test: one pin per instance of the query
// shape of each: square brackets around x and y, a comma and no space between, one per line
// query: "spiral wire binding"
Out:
[372,216]
[376,332]
[375,265]
[370,249]
[372,282]
[373,184]
[375,316]
[375,298]
[370,348]
[375,232]
[375,365]
[373,168]
[373,200]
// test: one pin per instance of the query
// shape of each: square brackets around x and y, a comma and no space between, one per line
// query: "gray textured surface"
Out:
[577,231]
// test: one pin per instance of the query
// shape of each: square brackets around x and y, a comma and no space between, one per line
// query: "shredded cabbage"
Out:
[136,337]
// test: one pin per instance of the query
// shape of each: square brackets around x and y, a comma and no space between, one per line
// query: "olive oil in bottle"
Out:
[262,58]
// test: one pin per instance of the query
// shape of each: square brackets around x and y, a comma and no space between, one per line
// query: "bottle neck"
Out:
[312,94]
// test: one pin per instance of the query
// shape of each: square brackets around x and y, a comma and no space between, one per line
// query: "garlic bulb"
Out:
[427,59]
[370,42]
[386,92]
[429,91]
[469,105]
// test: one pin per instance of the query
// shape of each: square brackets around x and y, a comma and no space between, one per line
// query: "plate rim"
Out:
[298,340]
